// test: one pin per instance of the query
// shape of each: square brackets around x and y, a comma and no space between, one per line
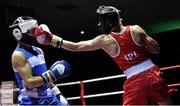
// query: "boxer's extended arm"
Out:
[97,43]
[43,36]
[150,44]
[20,63]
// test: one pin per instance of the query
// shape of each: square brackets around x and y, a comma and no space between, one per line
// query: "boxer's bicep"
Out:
[143,39]
[151,45]
[93,44]
[19,62]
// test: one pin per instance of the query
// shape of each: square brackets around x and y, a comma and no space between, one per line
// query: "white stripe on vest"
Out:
[36,60]
[138,68]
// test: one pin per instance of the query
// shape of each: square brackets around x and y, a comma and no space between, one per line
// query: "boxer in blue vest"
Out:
[33,78]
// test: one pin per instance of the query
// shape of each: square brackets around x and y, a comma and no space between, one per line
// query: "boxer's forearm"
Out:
[87,45]
[34,82]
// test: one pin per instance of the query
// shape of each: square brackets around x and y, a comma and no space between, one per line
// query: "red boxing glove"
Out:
[43,35]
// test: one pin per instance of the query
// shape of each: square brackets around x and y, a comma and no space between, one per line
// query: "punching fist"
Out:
[59,69]
[43,35]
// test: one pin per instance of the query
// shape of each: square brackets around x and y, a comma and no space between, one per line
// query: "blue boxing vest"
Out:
[38,66]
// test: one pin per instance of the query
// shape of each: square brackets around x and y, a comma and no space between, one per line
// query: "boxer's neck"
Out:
[27,47]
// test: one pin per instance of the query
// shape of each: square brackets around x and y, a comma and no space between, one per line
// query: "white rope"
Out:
[87,81]
[92,80]
[97,95]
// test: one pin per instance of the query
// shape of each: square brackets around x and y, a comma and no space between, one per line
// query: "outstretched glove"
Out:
[43,35]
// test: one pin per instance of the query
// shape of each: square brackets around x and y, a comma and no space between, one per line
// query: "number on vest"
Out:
[130,56]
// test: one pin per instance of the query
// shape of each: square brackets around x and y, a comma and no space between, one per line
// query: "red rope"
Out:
[82,94]
[170,67]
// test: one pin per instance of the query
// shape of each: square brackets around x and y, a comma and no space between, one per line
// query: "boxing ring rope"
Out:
[92,80]
[108,78]
[82,97]
[97,95]
[174,85]
[170,67]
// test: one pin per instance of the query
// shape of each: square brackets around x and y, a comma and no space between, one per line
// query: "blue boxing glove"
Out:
[59,69]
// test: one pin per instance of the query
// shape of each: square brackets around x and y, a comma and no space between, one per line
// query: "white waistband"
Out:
[138,68]
[34,94]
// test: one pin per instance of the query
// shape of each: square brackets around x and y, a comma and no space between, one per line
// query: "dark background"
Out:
[67,18]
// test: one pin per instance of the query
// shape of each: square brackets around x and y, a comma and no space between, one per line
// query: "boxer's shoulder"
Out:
[18,58]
